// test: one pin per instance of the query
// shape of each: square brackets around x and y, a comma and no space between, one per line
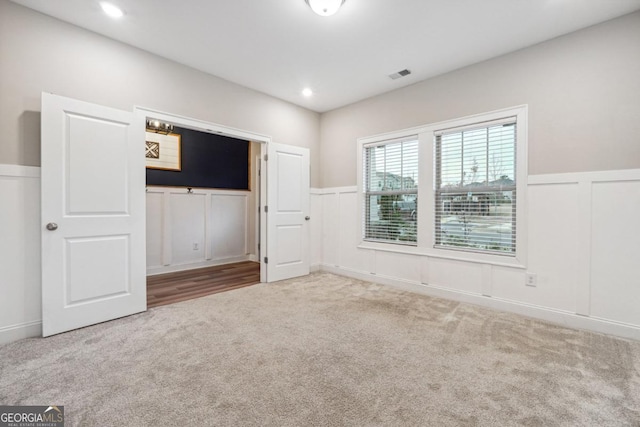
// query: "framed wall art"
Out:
[163,151]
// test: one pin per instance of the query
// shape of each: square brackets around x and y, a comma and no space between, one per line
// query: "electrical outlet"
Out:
[531,280]
[195,246]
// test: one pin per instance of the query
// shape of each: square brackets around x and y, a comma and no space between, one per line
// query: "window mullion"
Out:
[486,167]
[462,160]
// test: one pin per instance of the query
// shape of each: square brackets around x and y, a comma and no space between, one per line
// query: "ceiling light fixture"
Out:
[307,92]
[111,10]
[324,7]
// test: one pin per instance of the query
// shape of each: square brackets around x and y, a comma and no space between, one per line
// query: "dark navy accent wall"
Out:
[208,161]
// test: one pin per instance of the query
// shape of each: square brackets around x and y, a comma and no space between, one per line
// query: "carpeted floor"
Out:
[326,350]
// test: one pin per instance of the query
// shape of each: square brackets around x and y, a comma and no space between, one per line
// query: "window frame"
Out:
[426,189]
[395,192]
[441,193]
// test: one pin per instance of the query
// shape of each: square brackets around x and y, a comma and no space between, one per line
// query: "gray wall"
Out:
[39,53]
[583,92]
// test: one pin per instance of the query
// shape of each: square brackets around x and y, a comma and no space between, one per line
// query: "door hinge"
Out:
[266,209]
[266,260]
[266,157]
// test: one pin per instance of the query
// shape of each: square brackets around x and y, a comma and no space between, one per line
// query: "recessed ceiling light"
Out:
[307,92]
[111,10]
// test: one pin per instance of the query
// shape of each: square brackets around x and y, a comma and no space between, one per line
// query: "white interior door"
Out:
[93,215]
[288,210]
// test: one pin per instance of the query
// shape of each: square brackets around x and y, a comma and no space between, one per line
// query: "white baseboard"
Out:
[314,267]
[17,332]
[563,318]
[152,271]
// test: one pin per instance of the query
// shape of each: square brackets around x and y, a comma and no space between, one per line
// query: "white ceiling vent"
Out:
[399,74]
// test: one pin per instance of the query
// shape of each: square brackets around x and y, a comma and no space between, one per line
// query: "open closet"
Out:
[202,227]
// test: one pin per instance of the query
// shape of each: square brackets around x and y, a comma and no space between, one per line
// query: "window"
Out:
[475,188]
[469,175]
[391,191]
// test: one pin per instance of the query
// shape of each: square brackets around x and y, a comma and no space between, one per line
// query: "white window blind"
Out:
[391,191]
[475,188]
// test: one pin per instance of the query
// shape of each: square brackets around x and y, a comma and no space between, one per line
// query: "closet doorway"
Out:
[103,231]
[202,231]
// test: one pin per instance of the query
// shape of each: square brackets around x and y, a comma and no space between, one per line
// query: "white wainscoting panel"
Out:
[20,281]
[582,242]
[330,228]
[20,228]
[198,229]
[349,256]
[228,226]
[553,250]
[508,283]
[155,223]
[399,266]
[187,218]
[615,251]
[457,275]
[583,245]
[315,240]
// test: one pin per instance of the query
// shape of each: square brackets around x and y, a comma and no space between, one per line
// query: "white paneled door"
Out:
[288,212]
[93,215]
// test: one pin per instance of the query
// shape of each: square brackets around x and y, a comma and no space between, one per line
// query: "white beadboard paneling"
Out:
[187,221]
[615,253]
[20,281]
[155,221]
[228,223]
[553,250]
[400,266]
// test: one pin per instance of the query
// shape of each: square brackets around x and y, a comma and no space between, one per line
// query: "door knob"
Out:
[307,218]
[52,226]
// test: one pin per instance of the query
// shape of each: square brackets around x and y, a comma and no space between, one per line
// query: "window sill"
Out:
[497,260]
[391,247]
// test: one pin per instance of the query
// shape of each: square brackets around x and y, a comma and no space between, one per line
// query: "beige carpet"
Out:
[326,351]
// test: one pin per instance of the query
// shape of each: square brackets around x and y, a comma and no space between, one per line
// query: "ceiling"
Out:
[280,47]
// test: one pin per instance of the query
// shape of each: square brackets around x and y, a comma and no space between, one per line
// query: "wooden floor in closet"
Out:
[184,285]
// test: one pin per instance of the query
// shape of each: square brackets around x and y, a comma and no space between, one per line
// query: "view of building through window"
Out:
[391,199]
[476,189]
